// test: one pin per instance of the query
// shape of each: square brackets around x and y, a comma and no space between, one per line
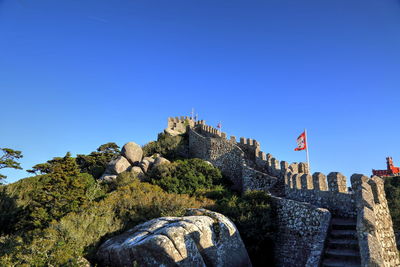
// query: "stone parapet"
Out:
[315,190]
[303,211]
[256,180]
[374,223]
[208,143]
[301,232]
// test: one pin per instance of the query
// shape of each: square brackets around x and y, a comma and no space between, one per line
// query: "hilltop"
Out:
[284,214]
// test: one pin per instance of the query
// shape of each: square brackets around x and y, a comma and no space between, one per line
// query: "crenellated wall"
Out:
[180,124]
[250,147]
[221,153]
[374,223]
[210,131]
[307,202]
[325,192]
[208,143]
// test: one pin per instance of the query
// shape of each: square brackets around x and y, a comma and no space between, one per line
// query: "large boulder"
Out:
[132,151]
[108,177]
[145,165]
[149,159]
[118,165]
[172,132]
[160,160]
[203,238]
[137,171]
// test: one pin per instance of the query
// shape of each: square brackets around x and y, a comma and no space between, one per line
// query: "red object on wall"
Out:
[301,142]
[391,169]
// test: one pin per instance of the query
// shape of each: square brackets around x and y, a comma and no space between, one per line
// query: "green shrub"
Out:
[392,190]
[252,215]
[34,202]
[79,233]
[58,197]
[96,162]
[13,201]
[185,176]
[170,147]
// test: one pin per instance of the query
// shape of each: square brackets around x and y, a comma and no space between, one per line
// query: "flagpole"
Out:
[307,156]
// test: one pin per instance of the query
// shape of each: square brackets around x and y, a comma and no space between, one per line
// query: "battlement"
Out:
[334,182]
[210,131]
[323,191]
[249,168]
[374,224]
[173,122]
[252,149]
[277,168]
[179,125]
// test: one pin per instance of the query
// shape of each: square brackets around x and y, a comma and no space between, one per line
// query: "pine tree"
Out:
[8,160]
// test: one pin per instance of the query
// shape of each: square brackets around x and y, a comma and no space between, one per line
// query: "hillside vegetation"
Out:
[60,216]
[392,190]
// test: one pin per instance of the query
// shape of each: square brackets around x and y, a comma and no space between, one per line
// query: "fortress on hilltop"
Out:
[320,222]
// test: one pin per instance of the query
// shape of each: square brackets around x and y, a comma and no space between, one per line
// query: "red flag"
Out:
[301,142]
[219,125]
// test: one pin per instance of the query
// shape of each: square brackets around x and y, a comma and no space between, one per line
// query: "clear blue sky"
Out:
[77,74]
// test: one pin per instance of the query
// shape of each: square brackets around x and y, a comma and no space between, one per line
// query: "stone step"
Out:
[342,254]
[343,243]
[344,234]
[339,263]
[343,224]
[341,220]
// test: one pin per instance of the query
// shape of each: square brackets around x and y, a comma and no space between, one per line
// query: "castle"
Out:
[320,222]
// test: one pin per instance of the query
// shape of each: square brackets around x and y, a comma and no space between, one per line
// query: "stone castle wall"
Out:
[325,192]
[178,125]
[220,153]
[308,200]
[302,230]
[229,158]
[374,223]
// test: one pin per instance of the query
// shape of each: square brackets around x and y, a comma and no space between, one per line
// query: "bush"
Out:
[170,147]
[96,162]
[78,234]
[185,176]
[252,215]
[34,202]
[392,189]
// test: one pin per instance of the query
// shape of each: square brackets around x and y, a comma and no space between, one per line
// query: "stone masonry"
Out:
[306,201]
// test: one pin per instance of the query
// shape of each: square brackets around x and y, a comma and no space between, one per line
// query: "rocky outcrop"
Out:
[106,177]
[138,172]
[132,152]
[118,165]
[172,132]
[203,238]
[160,160]
[145,165]
[131,160]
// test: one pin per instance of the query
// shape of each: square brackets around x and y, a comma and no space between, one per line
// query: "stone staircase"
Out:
[341,249]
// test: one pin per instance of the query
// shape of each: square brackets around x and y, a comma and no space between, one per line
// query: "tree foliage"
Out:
[392,190]
[185,176]
[64,189]
[61,216]
[252,215]
[170,147]
[64,242]
[58,165]
[96,162]
[8,159]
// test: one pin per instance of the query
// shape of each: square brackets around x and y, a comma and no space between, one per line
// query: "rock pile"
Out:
[131,159]
[203,238]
